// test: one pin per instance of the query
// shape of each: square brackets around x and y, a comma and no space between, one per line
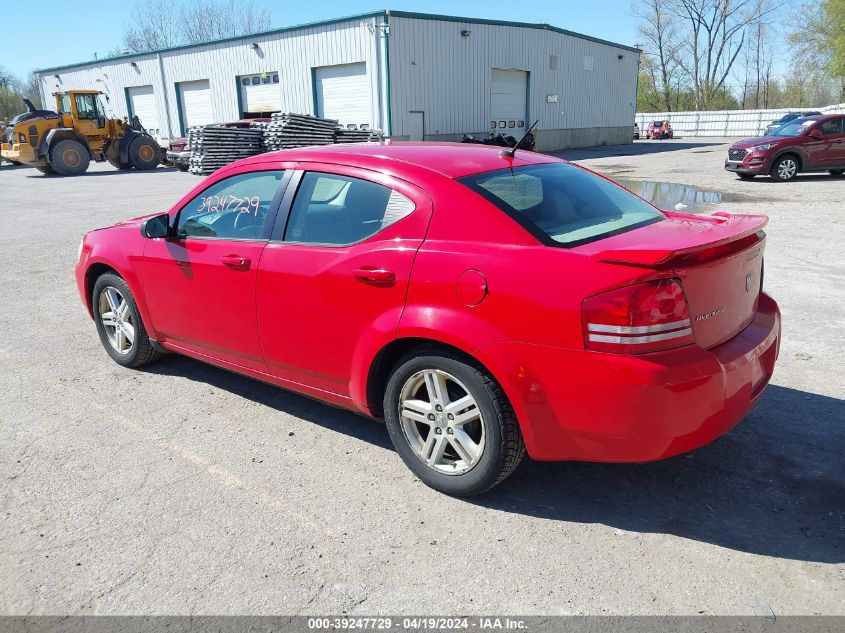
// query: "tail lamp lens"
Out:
[636,319]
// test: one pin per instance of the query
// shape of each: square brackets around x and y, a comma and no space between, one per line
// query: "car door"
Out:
[337,270]
[836,151]
[200,284]
[821,151]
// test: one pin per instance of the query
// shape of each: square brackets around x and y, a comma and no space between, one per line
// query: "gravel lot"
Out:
[186,489]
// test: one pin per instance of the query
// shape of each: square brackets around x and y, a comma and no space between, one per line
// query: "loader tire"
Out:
[69,158]
[45,169]
[144,153]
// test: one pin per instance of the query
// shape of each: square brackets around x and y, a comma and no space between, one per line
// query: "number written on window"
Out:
[234,208]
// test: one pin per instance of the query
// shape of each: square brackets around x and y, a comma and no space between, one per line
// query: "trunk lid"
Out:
[718,258]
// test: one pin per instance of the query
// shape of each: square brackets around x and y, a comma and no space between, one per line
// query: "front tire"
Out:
[451,423]
[119,324]
[69,158]
[45,169]
[144,153]
[836,172]
[784,168]
[746,176]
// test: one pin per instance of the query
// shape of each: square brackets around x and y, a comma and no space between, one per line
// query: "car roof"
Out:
[452,160]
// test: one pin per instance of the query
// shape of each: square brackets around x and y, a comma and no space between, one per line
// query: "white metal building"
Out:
[415,76]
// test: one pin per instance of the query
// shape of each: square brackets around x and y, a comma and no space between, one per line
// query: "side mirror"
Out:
[156,226]
[816,133]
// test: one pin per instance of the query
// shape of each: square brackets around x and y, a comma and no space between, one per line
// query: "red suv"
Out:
[655,130]
[482,303]
[812,143]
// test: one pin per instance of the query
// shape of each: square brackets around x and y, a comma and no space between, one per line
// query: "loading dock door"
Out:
[261,95]
[343,93]
[195,97]
[508,101]
[142,103]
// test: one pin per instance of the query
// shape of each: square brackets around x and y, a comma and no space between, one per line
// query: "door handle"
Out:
[236,261]
[375,276]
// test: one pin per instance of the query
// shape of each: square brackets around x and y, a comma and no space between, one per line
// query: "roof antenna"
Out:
[511,152]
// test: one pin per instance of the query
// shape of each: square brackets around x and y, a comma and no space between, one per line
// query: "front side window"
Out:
[563,205]
[236,208]
[64,104]
[86,107]
[340,210]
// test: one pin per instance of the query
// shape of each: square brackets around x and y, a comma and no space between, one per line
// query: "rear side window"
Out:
[563,205]
[340,210]
[831,127]
[235,208]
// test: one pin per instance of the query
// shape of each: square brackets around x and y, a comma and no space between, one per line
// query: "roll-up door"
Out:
[142,103]
[195,100]
[261,94]
[343,93]
[508,101]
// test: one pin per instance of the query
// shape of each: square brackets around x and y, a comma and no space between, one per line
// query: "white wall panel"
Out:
[435,69]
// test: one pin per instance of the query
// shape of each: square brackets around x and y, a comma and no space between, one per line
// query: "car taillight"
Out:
[644,317]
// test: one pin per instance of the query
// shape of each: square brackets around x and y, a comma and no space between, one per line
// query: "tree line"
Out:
[721,54]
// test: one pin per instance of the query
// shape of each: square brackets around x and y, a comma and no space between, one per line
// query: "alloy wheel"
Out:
[787,168]
[116,319]
[441,421]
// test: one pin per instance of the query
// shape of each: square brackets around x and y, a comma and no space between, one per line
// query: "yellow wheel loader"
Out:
[67,140]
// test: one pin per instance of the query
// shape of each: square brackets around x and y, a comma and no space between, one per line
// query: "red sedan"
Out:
[482,304]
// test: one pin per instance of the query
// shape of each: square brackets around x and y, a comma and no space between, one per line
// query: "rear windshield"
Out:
[562,204]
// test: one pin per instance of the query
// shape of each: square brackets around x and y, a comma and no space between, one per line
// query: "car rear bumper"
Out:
[581,405]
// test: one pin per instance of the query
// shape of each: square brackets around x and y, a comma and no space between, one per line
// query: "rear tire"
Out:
[182,167]
[119,324]
[470,447]
[784,168]
[69,158]
[836,172]
[144,153]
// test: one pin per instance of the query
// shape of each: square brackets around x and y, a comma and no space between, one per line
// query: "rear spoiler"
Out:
[708,238]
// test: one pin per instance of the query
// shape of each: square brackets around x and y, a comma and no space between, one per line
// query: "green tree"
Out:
[10,98]
[10,103]
[819,44]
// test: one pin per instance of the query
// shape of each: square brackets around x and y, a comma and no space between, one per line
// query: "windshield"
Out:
[562,204]
[795,127]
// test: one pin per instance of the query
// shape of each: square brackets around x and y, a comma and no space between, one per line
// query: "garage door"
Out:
[343,93]
[195,97]
[142,103]
[260,95]
[508,98]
